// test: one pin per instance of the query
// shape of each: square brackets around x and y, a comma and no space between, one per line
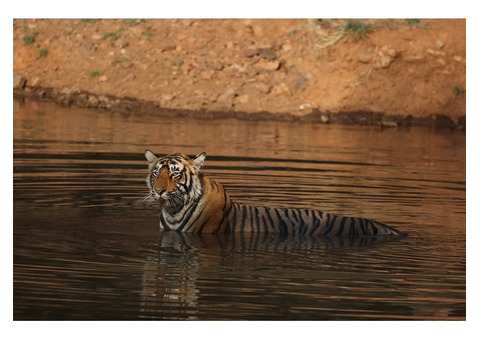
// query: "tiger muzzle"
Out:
[160,191]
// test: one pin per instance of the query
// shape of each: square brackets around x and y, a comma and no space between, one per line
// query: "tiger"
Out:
[193,203]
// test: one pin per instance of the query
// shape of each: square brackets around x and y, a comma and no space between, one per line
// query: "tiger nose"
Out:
[159,191]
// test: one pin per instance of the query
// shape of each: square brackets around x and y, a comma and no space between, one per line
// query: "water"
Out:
[83,250]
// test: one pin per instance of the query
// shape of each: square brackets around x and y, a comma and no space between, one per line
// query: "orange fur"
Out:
[193,203]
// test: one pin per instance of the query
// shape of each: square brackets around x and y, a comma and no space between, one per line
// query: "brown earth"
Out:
[400,72]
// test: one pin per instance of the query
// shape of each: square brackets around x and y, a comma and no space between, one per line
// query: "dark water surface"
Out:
[83,249]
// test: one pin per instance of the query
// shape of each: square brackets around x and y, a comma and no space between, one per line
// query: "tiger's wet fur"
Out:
[191,202]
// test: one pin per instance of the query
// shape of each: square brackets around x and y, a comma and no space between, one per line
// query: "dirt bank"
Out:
[390,72]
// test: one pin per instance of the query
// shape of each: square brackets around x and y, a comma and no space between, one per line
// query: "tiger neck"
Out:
[179,204]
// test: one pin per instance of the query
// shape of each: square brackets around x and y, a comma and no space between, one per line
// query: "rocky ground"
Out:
[390,72]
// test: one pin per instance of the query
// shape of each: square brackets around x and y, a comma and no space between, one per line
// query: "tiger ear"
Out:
[197,162]
[150,156]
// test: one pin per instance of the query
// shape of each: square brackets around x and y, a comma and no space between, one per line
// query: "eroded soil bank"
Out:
[385,72]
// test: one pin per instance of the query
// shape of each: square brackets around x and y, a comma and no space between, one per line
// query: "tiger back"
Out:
[191,202]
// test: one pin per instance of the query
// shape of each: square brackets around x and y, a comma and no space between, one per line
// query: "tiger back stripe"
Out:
[257,220]
[329,224]
[251,218]
[272,224]
[191,202]
[244,216]
[361,225]
[314,227]
[352,227]
[281,222]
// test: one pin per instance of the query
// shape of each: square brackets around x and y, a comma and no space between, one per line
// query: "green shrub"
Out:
[357,28]
[29,38]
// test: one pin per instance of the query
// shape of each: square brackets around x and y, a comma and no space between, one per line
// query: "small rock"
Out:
[440,43]
[129,64]
[213,97]
[263,88]
[35,81]
[92,100]
[19,81]
[324,119]
[185,68]
[225,102]
[121,43]
[89,48]
[436,53]
[268,65]
[457,58]
[239,68]
[392,52]
[231,92]
[168,48]
[129,77]
[267,53]
[226,98]
[365,58]
[168,97]
[66,91]
[305,106]
[103,78]
[243,99]
[103,99]
[281,89]
[385,61]
[250,52]
[257,31]
[391,124]
[441,61]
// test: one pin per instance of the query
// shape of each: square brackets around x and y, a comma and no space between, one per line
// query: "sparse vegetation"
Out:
[29,38]
[123,59]
[148,34]
[459,90]
[357,28]
[291,32]
[130,22]
[90,21]
[94,73]
[112,35]
[178,63]
[412,22]
[42,53]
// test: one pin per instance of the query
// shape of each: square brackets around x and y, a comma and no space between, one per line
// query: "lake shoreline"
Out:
[129,105]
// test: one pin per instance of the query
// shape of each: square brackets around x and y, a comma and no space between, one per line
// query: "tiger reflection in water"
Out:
[183,281]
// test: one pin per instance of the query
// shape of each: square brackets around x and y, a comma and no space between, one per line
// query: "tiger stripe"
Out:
[191,202]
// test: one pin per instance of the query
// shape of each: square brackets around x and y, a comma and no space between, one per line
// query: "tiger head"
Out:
[174,179]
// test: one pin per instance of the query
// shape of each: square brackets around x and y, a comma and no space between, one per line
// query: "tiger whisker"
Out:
[145,199]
